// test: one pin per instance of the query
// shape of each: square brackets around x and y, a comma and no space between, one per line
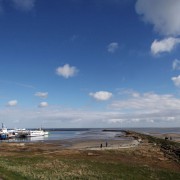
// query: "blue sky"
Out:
[93,63]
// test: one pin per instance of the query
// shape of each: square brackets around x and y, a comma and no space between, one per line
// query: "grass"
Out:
[78,167]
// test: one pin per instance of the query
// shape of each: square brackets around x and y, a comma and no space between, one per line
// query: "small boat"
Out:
[4,134]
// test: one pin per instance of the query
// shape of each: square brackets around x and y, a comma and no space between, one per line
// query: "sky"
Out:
[89,63]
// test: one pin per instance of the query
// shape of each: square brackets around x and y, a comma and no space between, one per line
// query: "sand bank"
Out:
[96,144]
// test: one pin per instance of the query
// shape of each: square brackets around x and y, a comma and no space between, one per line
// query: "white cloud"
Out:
[164,15]
[25,5]
[12,103]
[101,95]
[165,45]
[112,47]
[43,104]
[42,94]
[176,64]
[146,109]
[176,81]
[65,118]
[148,102]
[67,71]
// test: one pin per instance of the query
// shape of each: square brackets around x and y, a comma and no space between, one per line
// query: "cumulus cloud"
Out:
[25,5]
[66,71]
[162,14]
[176,81]
[12,103]
[176,64]
[112,47]
[42,94]
[43,104]
[101,95]
[165,45]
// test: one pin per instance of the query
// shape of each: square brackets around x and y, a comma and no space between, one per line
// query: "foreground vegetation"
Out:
[77,167]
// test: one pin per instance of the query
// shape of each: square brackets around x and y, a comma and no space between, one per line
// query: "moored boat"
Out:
[4,134]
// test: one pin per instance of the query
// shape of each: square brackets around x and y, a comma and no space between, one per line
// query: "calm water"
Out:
[65,134]
[73,134]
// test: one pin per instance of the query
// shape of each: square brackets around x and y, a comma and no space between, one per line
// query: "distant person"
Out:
[166,138]
[101,146]
[106,144]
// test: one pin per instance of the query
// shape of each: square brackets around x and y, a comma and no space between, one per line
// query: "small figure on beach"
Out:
[106,144]
[101,146]
[166,138]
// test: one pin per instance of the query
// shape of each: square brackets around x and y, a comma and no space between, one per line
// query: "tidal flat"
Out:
[55,160]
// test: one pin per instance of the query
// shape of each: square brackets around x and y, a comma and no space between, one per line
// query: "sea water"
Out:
[78,134]
[67,134]
[93,133]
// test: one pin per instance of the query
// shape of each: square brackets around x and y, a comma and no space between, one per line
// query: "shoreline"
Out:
[129,139]
[118,142]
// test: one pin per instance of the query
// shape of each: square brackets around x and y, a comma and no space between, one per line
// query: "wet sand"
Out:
[96,144]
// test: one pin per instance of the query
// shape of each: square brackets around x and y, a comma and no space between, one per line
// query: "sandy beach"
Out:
[96,144]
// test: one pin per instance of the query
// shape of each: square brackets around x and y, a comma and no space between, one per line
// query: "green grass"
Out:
[75,167]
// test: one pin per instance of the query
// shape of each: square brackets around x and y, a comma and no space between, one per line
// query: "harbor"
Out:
[6,134]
